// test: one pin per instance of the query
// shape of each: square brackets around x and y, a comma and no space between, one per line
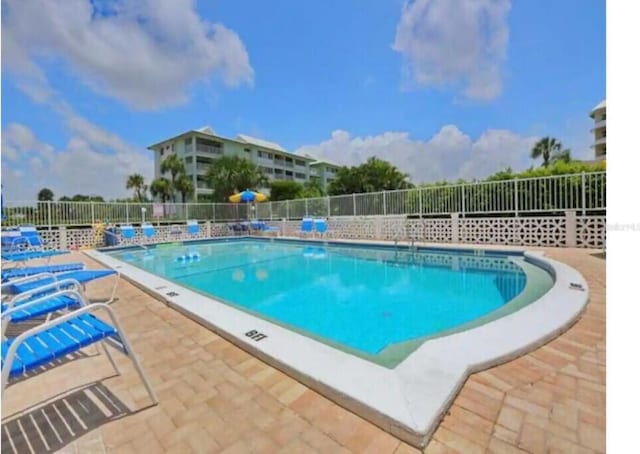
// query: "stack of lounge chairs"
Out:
[53,298]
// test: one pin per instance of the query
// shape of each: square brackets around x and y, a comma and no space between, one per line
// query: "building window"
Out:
[161,152]
[301,176]
[247,150]
[300,163]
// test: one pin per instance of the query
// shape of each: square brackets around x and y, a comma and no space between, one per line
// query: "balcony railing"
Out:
[207,149]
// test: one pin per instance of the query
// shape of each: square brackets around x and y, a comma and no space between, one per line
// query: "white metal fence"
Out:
[585,193]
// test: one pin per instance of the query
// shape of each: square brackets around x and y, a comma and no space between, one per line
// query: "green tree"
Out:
[230,174]
[162,188]
[175,166]
[562,156]
[550,150]
[184,186]
[136,182]
[45,195]
[285,190]
[372,176]
[312,189]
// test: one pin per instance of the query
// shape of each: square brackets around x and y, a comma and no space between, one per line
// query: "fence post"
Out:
[126,211]
[328,206]
[287,210]
[186,211]
[271,211]
[213,212]
[515,195]
[463,201]
[384,203]
[583,178]
[571,240]
[49,213]
[354,204]
[93,214]
[306,207]
[420,202]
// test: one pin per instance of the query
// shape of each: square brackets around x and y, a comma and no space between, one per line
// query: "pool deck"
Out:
[215,397]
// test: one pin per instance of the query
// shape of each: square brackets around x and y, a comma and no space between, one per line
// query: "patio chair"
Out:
[55,339]
[321,227]
[35,284]
[148,230]
[192,227]
[306,226]
[13,273]
[127,231]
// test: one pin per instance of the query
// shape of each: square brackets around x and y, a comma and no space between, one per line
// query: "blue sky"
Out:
[441,88]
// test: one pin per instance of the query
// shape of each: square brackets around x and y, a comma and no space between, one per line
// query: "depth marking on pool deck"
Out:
[255,335]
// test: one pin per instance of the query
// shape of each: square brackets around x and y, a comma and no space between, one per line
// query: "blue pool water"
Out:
[361,298]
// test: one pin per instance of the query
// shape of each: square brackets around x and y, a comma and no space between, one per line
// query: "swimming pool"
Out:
[391,333]
[378,303]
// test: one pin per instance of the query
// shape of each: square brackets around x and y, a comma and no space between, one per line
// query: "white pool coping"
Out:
[410,400]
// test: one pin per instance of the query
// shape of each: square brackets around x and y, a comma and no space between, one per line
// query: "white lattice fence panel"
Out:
[543,231]
[539,231]
[591,231]
[83,238]
[51,238]
[392,229]
[438,230]
[489,231]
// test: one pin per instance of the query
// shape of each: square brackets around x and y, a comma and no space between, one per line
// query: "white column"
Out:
[455,228]
[571,240]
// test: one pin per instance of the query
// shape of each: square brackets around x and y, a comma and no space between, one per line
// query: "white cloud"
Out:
[449,154]
[93,162]
[460,43]
[147,53]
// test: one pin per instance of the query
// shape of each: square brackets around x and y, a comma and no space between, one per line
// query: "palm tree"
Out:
[161,187]
[175,166]
[184,186]
[546,148]
[561,156]
[45,195]
[136,182]
[230,174]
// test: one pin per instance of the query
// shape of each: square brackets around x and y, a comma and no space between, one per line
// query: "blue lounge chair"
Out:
[31,235]
[36,282]
[127,232]
[67,334]
[12,240]
[148,230]
[306,226]
[12,273]
[321,226]
[23,256]
[28,306]
[192,227]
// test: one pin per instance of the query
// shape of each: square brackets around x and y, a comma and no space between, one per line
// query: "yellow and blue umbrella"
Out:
[248,196]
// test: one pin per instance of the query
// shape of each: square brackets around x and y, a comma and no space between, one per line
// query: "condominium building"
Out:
[599,115]
[200,148]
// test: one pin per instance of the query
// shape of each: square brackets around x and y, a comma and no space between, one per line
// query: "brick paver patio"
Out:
[214,397]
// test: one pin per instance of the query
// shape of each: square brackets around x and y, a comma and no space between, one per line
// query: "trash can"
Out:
[111,236]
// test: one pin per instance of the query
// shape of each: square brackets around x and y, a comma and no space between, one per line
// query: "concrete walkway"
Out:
[214,397]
